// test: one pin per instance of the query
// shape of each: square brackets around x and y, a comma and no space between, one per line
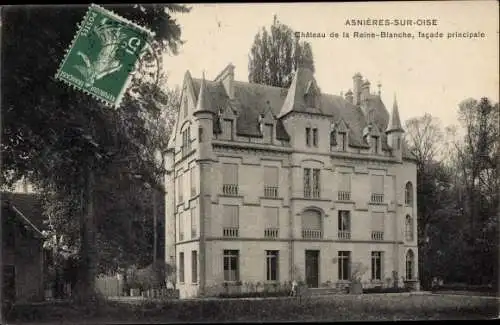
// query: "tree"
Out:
[435,203]
[64,140]
[275,55]
[477,170]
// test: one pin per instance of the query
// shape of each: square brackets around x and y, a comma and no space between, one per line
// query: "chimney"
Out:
[357,81]
[349,96]
[227,79]
[365,90]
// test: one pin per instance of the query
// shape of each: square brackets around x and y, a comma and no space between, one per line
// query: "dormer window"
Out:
[227,129]
[375,144]
[333,138]
[343,141]
[268,133]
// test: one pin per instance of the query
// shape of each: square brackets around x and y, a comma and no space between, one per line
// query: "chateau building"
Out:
[270,185]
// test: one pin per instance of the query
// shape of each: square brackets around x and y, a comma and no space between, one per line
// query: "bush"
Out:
[256,294]
[385,290]
[463,287]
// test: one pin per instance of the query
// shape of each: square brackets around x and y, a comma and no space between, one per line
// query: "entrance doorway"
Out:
[312,268]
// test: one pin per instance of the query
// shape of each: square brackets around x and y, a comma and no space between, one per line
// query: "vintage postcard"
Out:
[251,162]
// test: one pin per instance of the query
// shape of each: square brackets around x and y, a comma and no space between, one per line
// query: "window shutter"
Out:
[272,217]
[378,221]
[311,220]
[345,182]
[230,216]
[271,176]
[377,184]
[230,173]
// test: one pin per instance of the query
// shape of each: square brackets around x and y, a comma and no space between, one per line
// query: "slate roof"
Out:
[27,207]
[252,100]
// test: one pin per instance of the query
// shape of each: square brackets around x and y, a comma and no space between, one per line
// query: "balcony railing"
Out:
[377,235]
[270,191]
[312,233]
[344,196]
[343,234]
[193,233]
[271,232]
[230,189]
[307,192]
[316,193]
[377,198]
[230,232]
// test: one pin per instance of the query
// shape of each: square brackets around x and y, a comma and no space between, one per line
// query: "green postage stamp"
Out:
[103,55]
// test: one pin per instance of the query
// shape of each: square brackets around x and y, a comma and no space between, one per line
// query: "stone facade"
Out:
[272,185]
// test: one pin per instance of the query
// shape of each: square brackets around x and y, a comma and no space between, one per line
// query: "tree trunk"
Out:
[155,230]
[85,287]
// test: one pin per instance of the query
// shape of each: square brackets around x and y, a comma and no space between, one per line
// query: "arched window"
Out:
[410,265]
[409,228]
[311,224]
[409,194]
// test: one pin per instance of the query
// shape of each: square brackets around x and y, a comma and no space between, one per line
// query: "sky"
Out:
[427,75]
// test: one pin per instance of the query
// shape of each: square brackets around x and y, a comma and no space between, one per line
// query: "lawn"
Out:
[374,307]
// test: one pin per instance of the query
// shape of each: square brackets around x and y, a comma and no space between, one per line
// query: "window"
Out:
[344,264]
[315,137]
[375,144]
[231,265]
[409,194]
[268,133]
[186,141]
[344,224]
[399,144]
[316,184]
[227,129]
[270,181]
[377,265]
[192,181]
[311,224]
[409,265]
[181,267]
[343,140]
[333,138]
[272,262]
[377,184]
[378,226]
[307,182]
[308,137]
[230,222]
[181,226]
[344,193]
[230,179]
[194,222]
[179,188]
[271,215]
[194,266]
[200,134]
[409,228]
